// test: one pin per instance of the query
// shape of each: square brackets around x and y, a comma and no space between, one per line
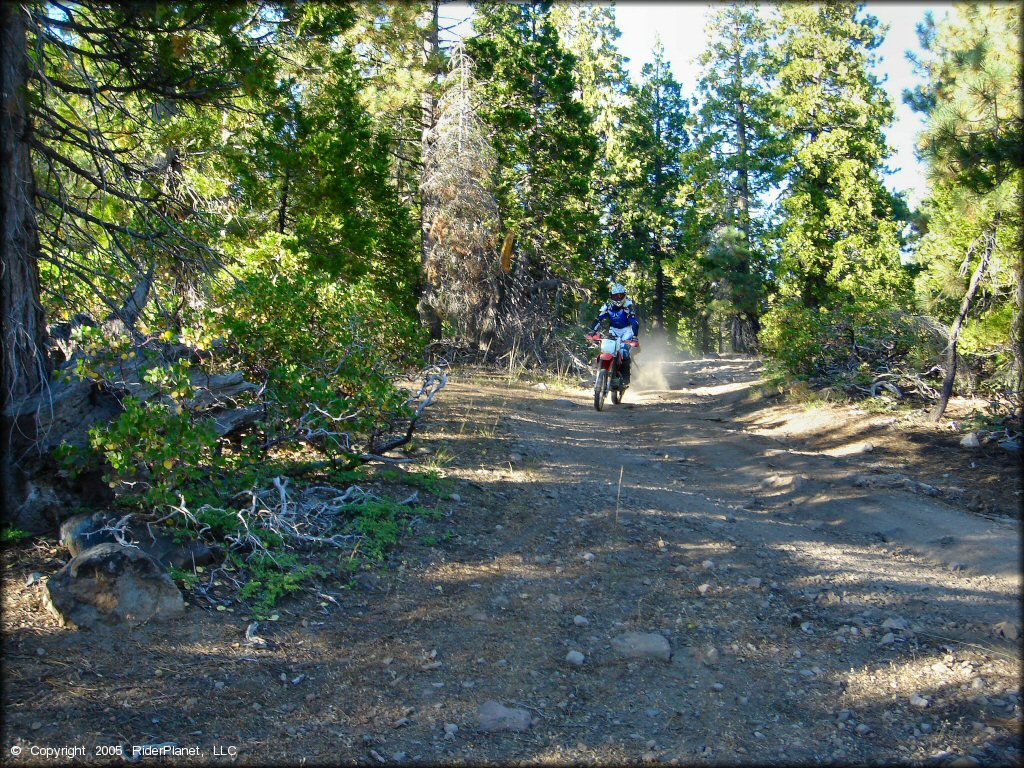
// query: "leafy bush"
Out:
[855,340]
[154,449]
[328,352]
[328,357]
[11,535]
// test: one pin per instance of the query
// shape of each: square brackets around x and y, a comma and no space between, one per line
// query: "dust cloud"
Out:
[651,367]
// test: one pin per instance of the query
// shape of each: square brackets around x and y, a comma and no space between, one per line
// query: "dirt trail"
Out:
[822,603]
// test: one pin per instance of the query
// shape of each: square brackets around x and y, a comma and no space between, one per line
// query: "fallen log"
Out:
[68,409]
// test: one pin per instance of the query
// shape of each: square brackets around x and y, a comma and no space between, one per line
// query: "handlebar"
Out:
[596,337]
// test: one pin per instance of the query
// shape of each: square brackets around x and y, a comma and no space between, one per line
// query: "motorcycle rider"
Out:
[623,323]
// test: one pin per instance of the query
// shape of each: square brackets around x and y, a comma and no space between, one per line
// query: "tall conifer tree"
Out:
[654,138]
[589,32]
[974,146]
[543,138]
[841,234]
[737,153]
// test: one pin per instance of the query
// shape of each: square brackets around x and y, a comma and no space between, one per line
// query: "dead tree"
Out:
[426,307]
[988,247]
[460,210]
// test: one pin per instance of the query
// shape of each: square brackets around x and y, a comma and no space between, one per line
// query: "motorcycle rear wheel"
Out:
[600,388]
[617,396]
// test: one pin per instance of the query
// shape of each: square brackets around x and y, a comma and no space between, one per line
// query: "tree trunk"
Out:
[424,307]
[744,322]
[536,263]
[1017,333]
[658,310]
[703,335]
[26,366]
[965,307]
[282,208]
[743,334]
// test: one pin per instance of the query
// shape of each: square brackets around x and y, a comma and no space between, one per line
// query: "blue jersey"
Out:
[622,317]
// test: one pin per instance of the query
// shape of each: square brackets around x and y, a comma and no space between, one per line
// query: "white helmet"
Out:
[617,295]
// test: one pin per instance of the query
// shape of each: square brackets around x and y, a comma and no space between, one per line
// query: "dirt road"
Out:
[822,599]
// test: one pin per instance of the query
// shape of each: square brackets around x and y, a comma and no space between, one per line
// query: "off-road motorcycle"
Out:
[609,363]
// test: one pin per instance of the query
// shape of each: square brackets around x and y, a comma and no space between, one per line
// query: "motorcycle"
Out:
[609,362]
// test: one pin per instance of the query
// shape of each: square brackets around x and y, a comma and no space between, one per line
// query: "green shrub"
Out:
[153,452]
[270,578]
[430,480]
[328,357]
[855,340]
[11,535]
[330,353]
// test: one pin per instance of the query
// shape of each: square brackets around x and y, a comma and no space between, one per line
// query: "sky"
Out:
[681,27]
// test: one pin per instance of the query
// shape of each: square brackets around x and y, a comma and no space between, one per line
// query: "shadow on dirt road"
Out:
[816,608]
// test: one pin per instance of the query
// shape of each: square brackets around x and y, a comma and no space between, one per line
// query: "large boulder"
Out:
[81,532]
[112,584]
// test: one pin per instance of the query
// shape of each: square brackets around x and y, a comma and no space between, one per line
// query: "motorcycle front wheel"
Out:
[600,388]
[616,385]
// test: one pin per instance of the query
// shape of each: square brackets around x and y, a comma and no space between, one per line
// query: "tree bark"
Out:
[658,310]
[536,264]
[743,334]
[282,208]
[428,314]
[1017,335]
[965,307]
[26,366]
[745,324]
[703,334]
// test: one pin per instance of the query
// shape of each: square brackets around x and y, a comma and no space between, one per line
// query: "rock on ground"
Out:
[493,716]
[643,645]
[81,532]
[112,584]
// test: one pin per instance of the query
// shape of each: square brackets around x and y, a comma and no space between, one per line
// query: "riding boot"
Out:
[626,365]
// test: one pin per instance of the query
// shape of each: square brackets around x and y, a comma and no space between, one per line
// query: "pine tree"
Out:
[841,234]
[654,138]
[974,146]
[589,32]
[324,175]
[737,156]
[543,139]
[398,58]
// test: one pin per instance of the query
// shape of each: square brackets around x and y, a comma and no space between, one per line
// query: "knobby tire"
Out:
[600,388]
